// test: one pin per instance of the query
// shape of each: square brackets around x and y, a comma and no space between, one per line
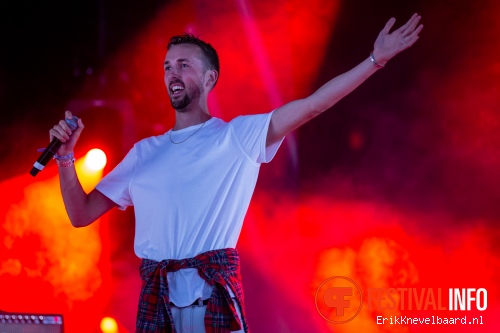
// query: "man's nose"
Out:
[173,73]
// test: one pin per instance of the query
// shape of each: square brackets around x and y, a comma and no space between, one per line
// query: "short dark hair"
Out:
[212,59]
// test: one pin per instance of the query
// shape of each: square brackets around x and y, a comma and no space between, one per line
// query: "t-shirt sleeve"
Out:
[115,185]
[251,132]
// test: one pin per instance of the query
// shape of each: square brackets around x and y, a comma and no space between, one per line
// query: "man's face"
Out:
[184,72]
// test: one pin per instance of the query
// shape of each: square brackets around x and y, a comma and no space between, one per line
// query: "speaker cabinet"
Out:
[31,323]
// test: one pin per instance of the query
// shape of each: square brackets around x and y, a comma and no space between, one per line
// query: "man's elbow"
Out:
[80,221]
[76,225]
[318,107]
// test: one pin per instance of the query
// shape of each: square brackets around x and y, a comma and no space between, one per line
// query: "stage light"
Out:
[95,160]
[90,168]
[109,325]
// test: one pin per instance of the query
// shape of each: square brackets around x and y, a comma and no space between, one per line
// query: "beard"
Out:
[182,104]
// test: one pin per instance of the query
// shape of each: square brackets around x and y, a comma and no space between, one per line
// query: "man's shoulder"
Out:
[249,119]
[151,142]
[152,139]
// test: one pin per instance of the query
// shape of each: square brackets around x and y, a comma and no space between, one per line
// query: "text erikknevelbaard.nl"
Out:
[432,320]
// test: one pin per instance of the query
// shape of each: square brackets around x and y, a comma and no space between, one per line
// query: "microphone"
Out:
[51,149]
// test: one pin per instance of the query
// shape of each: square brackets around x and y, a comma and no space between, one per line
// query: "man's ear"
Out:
[212,78]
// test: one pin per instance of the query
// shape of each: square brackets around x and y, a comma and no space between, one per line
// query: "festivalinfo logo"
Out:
[339,300]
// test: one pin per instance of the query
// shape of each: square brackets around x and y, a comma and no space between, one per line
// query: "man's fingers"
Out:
[402,28]
[411,42]
[414,33]
[80,123]
[76,135]
[389,25]
[412,38]
[79,130]
[412,24]
[59,133]
[417,31]
[65,127]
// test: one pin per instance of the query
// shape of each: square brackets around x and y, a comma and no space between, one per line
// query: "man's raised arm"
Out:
[296,113]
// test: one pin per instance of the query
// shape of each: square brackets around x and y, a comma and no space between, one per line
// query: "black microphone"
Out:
[51,149]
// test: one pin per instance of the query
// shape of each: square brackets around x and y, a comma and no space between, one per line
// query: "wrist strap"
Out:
[65,163]
[64,157]
[375,63]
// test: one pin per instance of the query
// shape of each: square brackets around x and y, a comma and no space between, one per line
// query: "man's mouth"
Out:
[176,89]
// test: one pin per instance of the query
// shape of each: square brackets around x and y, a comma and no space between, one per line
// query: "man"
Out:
[191,187]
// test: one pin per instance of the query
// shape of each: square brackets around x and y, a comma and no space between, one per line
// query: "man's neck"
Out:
[188,118]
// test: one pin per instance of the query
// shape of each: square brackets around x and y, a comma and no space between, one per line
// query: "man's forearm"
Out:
[340,86]
[74,196]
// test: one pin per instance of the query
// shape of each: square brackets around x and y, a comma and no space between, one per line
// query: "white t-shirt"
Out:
[191,197]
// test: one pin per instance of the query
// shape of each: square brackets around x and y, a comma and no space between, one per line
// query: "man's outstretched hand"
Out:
[388,44]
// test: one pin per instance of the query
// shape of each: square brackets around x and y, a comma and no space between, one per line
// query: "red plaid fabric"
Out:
[219,268]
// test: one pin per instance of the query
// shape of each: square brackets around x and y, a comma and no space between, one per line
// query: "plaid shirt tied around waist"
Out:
[219,268]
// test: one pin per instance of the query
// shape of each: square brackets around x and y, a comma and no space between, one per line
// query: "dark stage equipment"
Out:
[31,323]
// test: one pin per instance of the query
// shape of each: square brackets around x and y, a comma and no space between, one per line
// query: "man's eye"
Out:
[184,65]
[167,68]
